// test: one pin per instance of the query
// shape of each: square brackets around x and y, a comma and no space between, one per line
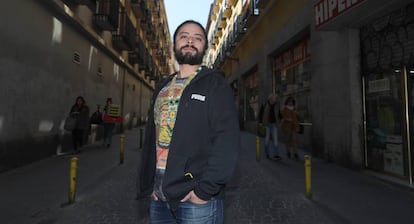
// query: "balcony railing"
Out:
[139,7]
[107,15]
[232,2]
[251,14]
[146,20]
[124,39]
[227,13]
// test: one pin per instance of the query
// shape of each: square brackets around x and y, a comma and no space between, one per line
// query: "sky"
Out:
[180,10]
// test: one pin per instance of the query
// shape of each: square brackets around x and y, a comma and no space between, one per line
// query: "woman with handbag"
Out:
[79,111]
[108,126]
[290,127]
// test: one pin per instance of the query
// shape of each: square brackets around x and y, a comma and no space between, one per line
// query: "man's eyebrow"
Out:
[185,32]
[199,34]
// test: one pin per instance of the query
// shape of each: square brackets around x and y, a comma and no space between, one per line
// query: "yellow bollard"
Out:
[72,178]
[308,182]
[122,149]
[257,148]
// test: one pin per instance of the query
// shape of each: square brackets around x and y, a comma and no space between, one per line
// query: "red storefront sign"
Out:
[326,10]
[297,54]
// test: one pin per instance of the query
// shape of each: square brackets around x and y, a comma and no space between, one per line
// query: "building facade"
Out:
[54,51]
[348,64]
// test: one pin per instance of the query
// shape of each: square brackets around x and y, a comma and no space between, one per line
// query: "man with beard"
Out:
[192,137]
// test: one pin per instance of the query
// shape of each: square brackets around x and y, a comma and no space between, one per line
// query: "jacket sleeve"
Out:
[224,137]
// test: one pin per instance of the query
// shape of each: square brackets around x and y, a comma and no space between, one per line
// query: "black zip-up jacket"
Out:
[205,141]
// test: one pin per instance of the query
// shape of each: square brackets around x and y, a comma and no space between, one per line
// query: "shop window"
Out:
[252,97]
[295,81]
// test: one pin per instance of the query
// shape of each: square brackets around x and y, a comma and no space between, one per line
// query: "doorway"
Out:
[389,108]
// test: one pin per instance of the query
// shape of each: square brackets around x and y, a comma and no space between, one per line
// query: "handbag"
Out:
[261,130]
[70,123]
[96,118]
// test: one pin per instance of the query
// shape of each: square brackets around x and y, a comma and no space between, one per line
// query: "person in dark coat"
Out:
[108,125]
[269,117]
[79,111]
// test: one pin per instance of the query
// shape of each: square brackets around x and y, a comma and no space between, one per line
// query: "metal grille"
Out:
[388,43]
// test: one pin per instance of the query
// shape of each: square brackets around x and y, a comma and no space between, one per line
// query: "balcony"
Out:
[137,53]
[216,8]
[219,33]
[147,65]
[213,46]
[213,17]
[222,24]
[107,15]
[249,17]
[232,3]
[124,39]
[134,57]
[227,13]
[103,22]
[154,40]
[239,29]
[139,7]
[146,21]
[216,40]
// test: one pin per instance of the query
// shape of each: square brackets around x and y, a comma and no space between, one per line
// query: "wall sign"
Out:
[326,10]
[297,54]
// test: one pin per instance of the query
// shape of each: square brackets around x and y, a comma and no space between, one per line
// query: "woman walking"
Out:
[290,127]
[79,111]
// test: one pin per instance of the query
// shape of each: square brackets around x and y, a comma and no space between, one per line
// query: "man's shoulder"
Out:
[212,72]
[212,75]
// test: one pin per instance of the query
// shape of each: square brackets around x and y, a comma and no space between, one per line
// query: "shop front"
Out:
[387,48]
[386,41]
[291,78]
[249,101]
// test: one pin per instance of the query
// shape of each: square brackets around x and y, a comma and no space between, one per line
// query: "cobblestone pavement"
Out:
[262,191]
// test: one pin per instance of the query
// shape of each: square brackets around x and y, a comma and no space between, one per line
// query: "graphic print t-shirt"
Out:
[165,111]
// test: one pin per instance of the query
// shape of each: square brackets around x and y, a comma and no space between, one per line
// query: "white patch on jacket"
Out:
[198,97]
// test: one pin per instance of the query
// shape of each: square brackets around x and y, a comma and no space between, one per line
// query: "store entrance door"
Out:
[389,95]
[409,74]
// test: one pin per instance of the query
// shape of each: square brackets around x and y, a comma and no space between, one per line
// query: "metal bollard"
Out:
[257,148]
[121,149]
[308,182]
[72,178]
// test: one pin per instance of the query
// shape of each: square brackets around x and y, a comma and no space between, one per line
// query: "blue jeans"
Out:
[187,213]
[271,140]
[108,131]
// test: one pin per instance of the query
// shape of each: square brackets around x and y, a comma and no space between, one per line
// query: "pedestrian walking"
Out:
[269,117]
[97,116]
[108,125]
[79,111]
[290,127]
[192,137]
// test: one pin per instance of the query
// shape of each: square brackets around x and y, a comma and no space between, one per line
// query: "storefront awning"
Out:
[333,15]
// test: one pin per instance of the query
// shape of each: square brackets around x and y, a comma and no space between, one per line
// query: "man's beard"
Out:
[187,58]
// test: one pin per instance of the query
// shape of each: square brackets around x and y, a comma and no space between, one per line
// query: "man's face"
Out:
[189,45]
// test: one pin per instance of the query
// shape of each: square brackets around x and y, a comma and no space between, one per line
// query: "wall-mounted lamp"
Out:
[228,53]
